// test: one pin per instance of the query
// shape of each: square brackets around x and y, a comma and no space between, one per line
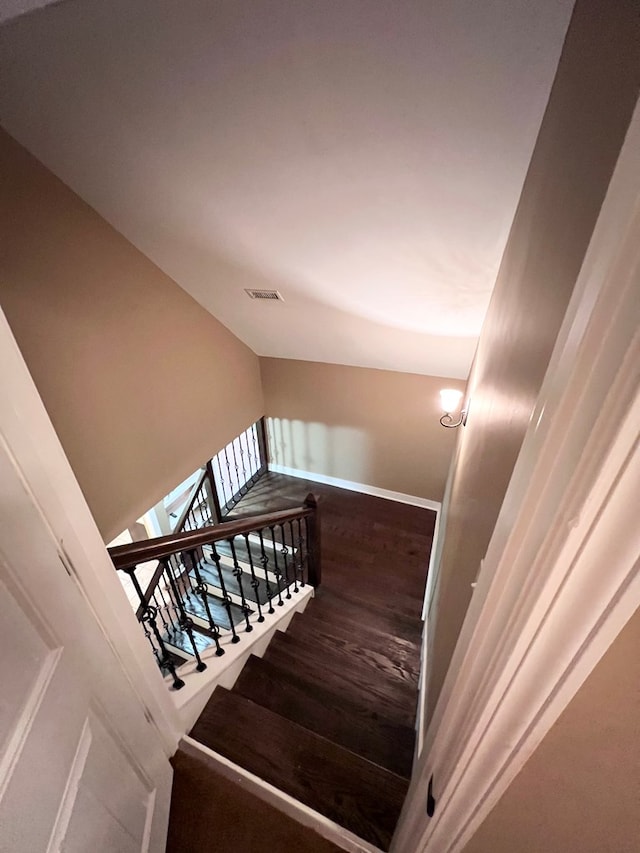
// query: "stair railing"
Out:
[225,479]
[213,583]
[238,466]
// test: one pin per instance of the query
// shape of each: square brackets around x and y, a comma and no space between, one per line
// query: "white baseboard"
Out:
[424,642]
[328,829]
[387,494]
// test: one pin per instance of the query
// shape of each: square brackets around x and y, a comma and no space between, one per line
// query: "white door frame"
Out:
[561,576]
[32,441]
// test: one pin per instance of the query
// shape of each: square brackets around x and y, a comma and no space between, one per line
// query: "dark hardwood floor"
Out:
[327,715]
[211,814]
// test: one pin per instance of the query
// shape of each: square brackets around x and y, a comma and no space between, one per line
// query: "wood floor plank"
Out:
[355,650]
[211,814]
[351,724]
[373,614]
[375,638]
[393,703]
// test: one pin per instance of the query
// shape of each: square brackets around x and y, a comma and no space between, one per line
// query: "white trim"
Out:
[303,814]
[423,682]
[431,571]
[387,494]
[148,821]
[70,795]
[544,611]
[14,745]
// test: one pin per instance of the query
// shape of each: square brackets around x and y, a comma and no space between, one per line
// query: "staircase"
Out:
[327,715]
[211,584]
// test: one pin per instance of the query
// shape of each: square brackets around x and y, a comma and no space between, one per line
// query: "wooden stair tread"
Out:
[371,634]
[358,613]
[393,700]
[348,723]
[349,789]
[356,656]
[210,813]
[358,661]
[378,650]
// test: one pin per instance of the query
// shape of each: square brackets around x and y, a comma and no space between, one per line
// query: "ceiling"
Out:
[363,157]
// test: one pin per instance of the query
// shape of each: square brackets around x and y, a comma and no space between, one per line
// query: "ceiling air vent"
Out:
[264,294]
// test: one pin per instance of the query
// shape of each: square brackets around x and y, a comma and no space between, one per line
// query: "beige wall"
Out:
[376,427]
[141,383]
[580,790]
[589,109]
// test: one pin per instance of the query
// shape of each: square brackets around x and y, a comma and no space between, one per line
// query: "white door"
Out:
[83,755]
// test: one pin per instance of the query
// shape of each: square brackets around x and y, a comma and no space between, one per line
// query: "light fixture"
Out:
[449,401]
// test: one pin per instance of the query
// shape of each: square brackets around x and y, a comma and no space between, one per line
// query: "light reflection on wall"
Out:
[335,451]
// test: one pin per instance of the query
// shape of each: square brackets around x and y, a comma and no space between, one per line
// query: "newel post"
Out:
[314,566]
[212,494]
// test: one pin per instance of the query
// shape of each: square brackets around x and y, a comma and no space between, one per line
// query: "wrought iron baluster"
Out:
[158,606]
[284,550]
[255,583]
[185,622]
[205,509]
[249,472]
[265,567]
[199,507]
[256,448]
[226,600]
[175,606]
[237,469]
[246,462]
[276,568]
[184,581]
[242,481]
[237,572]
[165,662]
[202,589]
[148,617]
[228,464]
[167,607]
[194,513]
[156,651]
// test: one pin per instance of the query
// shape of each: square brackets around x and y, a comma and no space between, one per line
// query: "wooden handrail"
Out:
[127,556]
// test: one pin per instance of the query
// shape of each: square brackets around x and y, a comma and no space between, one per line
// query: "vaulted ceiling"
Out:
[363,157]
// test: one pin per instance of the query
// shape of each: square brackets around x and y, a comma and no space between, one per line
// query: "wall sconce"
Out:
[449,401]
